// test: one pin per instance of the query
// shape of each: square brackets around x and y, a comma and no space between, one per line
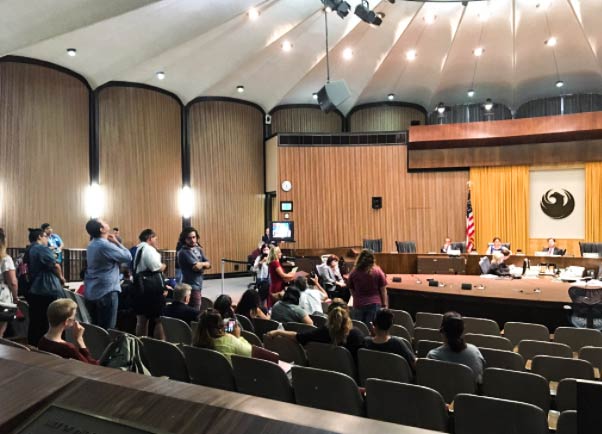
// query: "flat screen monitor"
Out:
[286,206]
[283,231]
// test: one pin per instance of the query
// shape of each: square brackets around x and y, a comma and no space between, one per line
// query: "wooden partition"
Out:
[333,187]
[384,117]
[305,119]
[140,164]
[44,142]
[226,153]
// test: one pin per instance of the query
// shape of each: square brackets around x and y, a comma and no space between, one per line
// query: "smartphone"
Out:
[229,325]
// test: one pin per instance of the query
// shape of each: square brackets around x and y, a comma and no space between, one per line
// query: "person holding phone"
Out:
[215,334]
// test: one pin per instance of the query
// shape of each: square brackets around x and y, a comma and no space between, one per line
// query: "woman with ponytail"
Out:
[454,349]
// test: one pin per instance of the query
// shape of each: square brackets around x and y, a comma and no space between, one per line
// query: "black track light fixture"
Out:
[341,7]
[365,14]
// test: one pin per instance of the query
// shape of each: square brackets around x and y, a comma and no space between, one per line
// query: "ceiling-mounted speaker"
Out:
[332,95]
[268,119]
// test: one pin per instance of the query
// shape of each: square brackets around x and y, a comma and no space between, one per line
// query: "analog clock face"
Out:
[286,186]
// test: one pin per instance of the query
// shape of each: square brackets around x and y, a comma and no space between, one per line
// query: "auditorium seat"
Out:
[318,320]
[403,318]
[482,326]
[483,414]
[261,378]
[448,379]
[82,314]
[331,357]
[503,359]
[529,349]
[567,423]
[592,355]
[8,342]
[427,334]
[488,341]
[484,264]
[251,338]
[206,303]
[165,359]
[263,326]
[405,246]
[461,246]
[327,390]
[424,346]
[361,327]
[176,331]
[405,404]
[590,248]
[400,331]
[558,368]
[97,339]
[245,323]
[518,331]
[382,365]
[298,327]
[566,394]
[428,320]
[577,338]
[209,368]
[375,245]
[517,386]
[288,350]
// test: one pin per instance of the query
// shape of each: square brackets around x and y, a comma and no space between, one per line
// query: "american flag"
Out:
[469,226]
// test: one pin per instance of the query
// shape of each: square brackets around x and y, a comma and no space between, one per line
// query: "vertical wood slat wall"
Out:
[305,120]
[333,187]
[44,136]
[226,158]
[140,163]
[384,118]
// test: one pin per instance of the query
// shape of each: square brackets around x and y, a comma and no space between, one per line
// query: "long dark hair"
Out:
[211,326]
[365,261]
[452,327]
[249,301]
[223,304]
[185,232]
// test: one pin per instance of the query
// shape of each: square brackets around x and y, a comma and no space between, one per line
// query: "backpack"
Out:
[124,353]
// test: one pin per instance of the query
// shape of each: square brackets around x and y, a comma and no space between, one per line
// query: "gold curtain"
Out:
[500,200]
[593,202]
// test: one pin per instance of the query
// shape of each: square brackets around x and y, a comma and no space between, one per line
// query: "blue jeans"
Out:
[366,314]
[105,310]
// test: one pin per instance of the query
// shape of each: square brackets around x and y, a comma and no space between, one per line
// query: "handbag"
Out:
[8,309]
[147,281]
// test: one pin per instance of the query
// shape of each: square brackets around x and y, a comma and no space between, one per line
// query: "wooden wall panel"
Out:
[271,164]
[384,118]
[305,120]
[140,164]
[44,141]
[226,152]
[333,187]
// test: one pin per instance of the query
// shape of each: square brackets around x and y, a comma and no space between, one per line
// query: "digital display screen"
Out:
[286,206]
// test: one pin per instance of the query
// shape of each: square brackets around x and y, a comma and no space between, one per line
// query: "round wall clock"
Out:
[286,186]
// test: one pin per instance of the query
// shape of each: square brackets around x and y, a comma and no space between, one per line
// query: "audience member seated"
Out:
[447,246]
[61,316]
[332,280]
[288,309]
[249,305]
[179,308]
[338,330]
[381,340]
[552,249]
[223,304]
[211,333]
[312,294]
[454,349]
[498,266]
[497,246]
[368,285]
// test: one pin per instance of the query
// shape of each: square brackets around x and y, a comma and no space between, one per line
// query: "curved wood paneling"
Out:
[305,120]
[226,159]
[140,165]
[384,118]
[44,142]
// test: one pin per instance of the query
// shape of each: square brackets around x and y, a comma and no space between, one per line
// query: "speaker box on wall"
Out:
[377,202]
[414,123]
[333,94]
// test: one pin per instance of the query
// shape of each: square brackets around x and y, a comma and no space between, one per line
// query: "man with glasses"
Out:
[193,263]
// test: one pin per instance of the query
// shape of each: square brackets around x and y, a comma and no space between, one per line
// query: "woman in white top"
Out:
[8,279]
[260,266]
[149,303]
[312,294]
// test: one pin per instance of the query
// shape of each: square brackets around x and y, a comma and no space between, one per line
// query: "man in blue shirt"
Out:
[193,263]
[55,242]
[104,255]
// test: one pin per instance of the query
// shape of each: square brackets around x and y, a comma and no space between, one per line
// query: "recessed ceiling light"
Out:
[287,46]
[411,55]
[253,14]
[429,18]
[441,108]
[551,41]
[391,96]
[559,83]
[478,51]
[347,54]
[71,52]
[240,88]
[160,75]
[488,104]
[314,96]
[470,93]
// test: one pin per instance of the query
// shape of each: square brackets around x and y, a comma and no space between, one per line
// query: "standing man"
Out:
[193,263]
[54,242]
[105,254]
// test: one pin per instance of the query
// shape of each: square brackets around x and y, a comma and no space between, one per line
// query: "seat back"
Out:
[529,349]
[428,320]
[298,327]
[206,303]
[375,245]
[209,368]
[460,245]
[361,327]
[577,338]
[590,248]
[97,339]
[424,346]
[288,350]
[263,326]
[405,404]
[503,359]
[448,379]
[82,315]
[331,357]
[405,246]
[245,323]
[484,264]
[483,414]
[251,338]
[176,331]
[567,422]
[403,318]
[318,320]
[327,390]
[489,341]
[164,359]
[518,331]
[558,368]
[261,378]
[482,326]
[9,343]
[400,331]
[385,366]
[592,355]
[421,334]
[517,386]
[566,394]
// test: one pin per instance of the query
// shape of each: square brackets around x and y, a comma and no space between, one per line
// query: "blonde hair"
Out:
[339,325]
[60,310]
[498,258]
[273,255]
